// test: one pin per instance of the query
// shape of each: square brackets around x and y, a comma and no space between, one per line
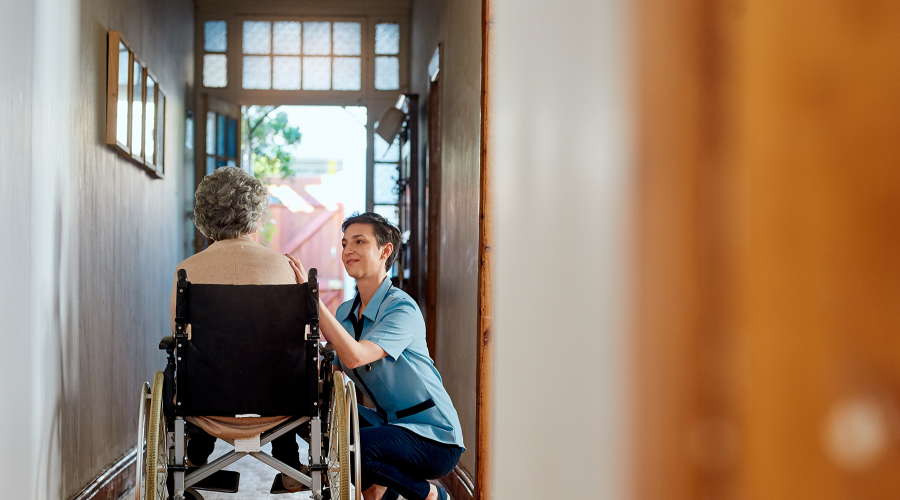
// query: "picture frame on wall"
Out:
[135,108]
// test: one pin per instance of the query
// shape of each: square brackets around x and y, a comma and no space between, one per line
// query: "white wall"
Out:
[91,240]
[563,194]
[17,468]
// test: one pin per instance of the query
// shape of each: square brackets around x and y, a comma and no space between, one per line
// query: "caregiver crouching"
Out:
[379,338]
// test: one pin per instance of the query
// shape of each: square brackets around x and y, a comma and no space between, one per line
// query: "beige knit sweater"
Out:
[238,261]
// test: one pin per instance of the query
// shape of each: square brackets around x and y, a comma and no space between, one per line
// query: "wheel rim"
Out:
[157,458]
[338,443]
[353,417]
[142,436]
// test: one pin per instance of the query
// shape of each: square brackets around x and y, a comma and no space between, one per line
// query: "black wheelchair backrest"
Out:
[253,349]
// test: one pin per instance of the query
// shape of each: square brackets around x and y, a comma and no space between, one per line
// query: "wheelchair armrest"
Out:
[167,342]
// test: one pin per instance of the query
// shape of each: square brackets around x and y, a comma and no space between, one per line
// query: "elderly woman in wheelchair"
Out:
[245,365]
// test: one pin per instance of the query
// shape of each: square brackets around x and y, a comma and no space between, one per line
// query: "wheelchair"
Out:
[247,351]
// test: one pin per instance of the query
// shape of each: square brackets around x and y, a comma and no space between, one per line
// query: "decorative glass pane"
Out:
[286,38]
[347,73]
[385,152]
[257,37]
[387,73]
[137,111]
[161,132]
[286,73]
[347,39]
[215,36]
[215,70]
[210,133]
[389,212]
[210,165]
[257,72]
[220,135]
[150,121]
[387,38]
[316,73]
[316,39]
[232,138]
[386,177]
[122,106]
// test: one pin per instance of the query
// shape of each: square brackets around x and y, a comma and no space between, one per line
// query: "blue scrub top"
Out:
[405,386]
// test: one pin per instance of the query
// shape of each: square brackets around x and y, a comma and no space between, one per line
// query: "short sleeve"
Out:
[395,330]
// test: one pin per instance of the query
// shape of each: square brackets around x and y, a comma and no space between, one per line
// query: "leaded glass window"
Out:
[215,62]
[294,55]
[387,56]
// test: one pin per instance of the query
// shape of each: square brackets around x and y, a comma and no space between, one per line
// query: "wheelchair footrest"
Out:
[278,487]
[225,481]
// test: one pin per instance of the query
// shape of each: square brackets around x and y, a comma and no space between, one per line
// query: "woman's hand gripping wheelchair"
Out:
[239,351]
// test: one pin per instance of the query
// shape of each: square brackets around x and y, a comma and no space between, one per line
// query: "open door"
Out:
[410,257]
[432,222]
[218,137]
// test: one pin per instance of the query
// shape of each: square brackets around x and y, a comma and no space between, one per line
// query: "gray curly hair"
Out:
[229,204]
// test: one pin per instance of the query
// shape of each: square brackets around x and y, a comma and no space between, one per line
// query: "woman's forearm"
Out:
[351,353]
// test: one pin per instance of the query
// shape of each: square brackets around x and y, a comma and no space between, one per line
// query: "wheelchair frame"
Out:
[332,425]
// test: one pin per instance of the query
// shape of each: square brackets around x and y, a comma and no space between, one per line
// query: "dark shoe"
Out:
[390,494]
[286,484]
[291,484]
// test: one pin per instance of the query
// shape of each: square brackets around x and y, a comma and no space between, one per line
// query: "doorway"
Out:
[313,162]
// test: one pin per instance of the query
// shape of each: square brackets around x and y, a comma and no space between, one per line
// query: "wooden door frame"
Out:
[485,374]
[433,230]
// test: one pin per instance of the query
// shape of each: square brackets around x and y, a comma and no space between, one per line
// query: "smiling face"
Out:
[361,256]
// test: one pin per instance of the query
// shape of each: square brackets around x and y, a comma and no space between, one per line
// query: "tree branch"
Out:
[253,128]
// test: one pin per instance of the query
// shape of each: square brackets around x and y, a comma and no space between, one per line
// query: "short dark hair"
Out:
[385,232]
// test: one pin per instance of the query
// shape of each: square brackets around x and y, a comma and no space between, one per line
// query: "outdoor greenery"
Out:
[271,141]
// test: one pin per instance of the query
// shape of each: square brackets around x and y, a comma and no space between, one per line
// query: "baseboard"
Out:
[459,484]
[113,482]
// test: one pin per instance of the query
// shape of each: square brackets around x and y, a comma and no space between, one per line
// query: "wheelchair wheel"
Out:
[156,465]
[140,468]
[353,417]
[339,443]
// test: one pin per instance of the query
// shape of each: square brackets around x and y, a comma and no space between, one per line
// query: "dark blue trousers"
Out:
[403,461]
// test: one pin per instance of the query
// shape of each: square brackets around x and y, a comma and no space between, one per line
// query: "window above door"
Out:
[251,56]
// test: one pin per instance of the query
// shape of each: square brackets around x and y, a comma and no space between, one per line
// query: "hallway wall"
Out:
[86,274]
[564,174]
[457,26]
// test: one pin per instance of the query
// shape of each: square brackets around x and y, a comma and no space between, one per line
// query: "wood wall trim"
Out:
[485,376]
[113,482]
